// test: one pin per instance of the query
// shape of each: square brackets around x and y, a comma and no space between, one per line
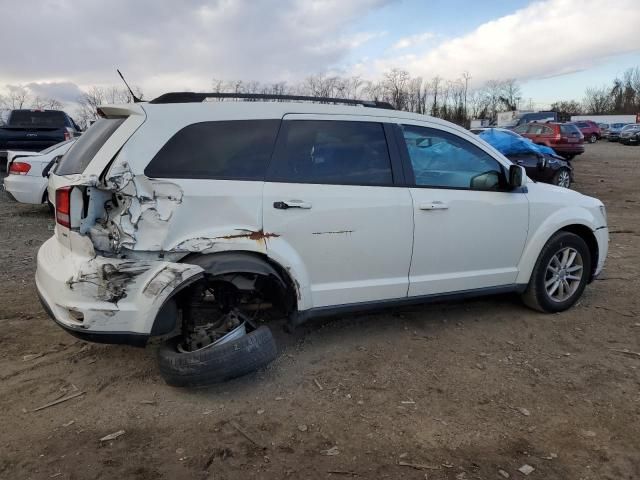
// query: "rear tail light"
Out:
[67,136]
[63,206]
[19,168]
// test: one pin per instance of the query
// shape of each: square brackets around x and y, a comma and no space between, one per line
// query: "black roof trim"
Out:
[193,97]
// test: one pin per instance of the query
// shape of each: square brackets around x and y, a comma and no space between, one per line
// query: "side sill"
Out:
[301,317]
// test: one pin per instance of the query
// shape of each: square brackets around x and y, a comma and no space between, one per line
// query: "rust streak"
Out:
[259,235]
[333,233]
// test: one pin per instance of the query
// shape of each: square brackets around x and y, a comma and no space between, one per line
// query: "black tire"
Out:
[557,178]
[536,296]
[216,364]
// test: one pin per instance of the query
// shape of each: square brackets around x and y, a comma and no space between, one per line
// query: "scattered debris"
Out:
[526,469]
[55,475]
[403,455]
[523,411]
[148,402]
[246,435]
[32,356]
[318,384]
[551,456]
[408,402]
[343,472]
[626,352]
[447,465]
[588,433]
[60,400]
[302,427]
[112,436]
[331,452]
[69,423]
[503,474]
[418,466]
[260,411]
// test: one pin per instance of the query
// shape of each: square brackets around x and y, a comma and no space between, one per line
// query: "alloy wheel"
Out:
[564,274]
[564,179]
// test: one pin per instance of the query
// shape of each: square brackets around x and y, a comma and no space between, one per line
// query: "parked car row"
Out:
[541,163]
[613,131]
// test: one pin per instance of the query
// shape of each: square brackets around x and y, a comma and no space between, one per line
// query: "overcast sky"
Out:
[555,47]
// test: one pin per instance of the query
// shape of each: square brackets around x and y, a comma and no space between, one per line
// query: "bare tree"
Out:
[597,100]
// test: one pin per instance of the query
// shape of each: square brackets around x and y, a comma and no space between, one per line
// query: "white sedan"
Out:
[25,181]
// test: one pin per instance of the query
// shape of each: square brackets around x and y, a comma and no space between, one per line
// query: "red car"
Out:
[590,130]
[564,138]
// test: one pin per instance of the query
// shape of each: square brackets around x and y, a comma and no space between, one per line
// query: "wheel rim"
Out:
[593,139]
[564,274]
[564,179]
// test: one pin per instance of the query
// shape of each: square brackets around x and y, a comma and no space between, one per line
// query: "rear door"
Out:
[337,211]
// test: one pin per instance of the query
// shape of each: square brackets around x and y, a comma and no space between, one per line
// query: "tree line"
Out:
[453,100]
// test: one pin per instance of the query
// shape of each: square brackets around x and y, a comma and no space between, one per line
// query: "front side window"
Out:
[237,149]
[522,128]
[333,152]
[444,160]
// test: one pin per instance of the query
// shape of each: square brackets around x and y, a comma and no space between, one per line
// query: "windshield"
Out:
[34,118]
[81,154]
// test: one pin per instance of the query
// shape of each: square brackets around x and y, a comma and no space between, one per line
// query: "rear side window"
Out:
[568,129]
[237,149]
[333,152]
[28,118]
[81,154]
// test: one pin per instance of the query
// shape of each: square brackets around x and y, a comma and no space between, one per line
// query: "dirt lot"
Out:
[460,390]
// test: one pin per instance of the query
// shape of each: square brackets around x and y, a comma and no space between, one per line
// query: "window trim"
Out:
[397,174]
[408,167]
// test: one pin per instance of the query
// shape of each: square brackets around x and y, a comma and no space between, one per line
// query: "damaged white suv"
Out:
[197,221]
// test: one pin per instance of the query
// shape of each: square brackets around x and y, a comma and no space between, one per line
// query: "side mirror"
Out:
[542,162]
[517,177]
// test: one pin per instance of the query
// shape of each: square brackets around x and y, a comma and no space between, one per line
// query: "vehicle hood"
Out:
[562,196]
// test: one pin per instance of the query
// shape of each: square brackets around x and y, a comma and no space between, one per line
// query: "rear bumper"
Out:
[570,149]
[107,300]
[25,188]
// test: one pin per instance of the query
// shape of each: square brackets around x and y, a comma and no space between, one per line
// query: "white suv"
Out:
[197,221]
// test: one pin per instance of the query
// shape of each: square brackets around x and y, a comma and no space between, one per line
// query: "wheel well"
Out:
[252,263]
[587,235]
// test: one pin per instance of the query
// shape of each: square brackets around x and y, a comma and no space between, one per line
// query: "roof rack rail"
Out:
[193,97]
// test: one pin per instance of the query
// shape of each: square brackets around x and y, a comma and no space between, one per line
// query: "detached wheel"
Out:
[216,363]
[560,274]
[562,178]
[593,138]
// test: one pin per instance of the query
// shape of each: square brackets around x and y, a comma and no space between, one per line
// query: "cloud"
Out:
[547,38]
[413,40]
[164,45]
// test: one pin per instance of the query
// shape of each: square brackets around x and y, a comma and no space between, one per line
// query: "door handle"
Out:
[291,204]
[436,205]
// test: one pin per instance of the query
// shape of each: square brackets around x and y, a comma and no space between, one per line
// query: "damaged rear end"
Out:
[90,279]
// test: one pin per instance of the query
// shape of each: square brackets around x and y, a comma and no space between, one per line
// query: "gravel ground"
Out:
[447,391]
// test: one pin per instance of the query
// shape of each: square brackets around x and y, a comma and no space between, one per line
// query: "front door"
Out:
[333,211]
[469,231]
